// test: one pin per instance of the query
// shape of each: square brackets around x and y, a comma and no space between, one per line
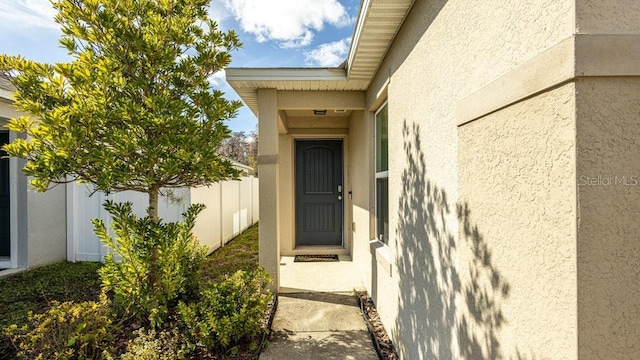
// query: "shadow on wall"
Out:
[431,279]
[483,290]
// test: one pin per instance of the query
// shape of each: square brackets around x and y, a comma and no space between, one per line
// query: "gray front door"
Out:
[5,219]
[318,192]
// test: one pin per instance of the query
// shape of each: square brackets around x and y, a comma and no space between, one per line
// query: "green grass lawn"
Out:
[239,254]
[33,290]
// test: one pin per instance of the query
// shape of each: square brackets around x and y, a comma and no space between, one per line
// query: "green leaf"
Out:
[72,341]
[81,327]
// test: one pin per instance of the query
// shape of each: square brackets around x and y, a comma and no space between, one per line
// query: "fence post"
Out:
[240,229]
[72,247]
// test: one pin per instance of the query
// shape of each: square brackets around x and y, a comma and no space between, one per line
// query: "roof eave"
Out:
[374,18]
[357,31]
[6,95]
[284,74]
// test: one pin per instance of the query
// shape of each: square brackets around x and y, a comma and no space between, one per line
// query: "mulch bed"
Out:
[379,336]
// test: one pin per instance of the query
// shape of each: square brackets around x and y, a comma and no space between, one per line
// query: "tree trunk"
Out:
[154,192]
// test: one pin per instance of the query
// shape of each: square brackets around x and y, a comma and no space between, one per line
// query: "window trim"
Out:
[382,174]
[379,175]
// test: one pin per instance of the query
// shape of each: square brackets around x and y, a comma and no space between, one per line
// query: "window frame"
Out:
[381,175]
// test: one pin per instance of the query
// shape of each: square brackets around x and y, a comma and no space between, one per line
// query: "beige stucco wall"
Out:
[607,17]
[40,222]
[287,223]
[47,226]
[608,177]
[495,250]
[360,206]
[608,144]
[269,252]
[436,60]
[517,188]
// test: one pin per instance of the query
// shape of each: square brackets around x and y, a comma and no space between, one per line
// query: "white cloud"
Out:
[219,12]
[292,23]
[218,78]
[23,15]
[330,54]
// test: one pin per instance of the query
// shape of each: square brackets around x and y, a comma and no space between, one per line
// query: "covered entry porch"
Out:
[314,139]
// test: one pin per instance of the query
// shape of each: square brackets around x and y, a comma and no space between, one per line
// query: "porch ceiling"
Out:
[377,25]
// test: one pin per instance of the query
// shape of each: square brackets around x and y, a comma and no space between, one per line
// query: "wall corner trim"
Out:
[267,159]
[382,255]
[580,55]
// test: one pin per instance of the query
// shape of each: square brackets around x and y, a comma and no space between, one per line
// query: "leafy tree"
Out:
[132,110]
[236,147]
[253,150]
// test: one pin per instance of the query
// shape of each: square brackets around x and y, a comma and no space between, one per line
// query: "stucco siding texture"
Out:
[608,177]
[445,51]
[607,17]
[517,232]
[287,222]
[359,205]
[47,226]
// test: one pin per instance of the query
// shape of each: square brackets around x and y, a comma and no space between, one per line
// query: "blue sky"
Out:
[275,33]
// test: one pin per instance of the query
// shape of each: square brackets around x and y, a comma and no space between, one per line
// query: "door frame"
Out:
[338,233]
[346,203]
[12,262]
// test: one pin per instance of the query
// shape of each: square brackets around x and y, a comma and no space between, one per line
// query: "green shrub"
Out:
[229,310]
[66,331]
[152,345]
[34,290]
[126,270]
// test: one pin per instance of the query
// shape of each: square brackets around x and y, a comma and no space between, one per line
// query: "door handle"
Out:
[339,189]
[339,197]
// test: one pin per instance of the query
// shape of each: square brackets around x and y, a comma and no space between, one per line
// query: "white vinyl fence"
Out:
[231,207]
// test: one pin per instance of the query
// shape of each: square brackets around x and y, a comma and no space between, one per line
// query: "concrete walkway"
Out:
[317,325]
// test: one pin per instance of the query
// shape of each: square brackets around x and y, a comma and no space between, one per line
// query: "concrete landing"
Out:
[309,326]
[331,277]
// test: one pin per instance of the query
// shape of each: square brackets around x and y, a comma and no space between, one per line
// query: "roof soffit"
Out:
[378,23]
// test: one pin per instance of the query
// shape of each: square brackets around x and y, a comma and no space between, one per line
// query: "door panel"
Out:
[5,218]
[318,192]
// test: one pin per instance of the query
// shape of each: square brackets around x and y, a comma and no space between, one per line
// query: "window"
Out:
[382,174]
